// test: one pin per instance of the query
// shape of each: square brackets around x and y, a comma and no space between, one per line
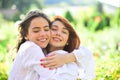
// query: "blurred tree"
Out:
[99,7]
[21,5]
[97,22]
[24,5]
[69,16]
[6,3]
[117,17]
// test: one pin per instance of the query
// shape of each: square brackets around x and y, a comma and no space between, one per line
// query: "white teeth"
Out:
[56,39]
[43,40]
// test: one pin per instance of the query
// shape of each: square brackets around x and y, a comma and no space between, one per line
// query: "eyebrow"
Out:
[54,25]
[39,27]
[65,28]
[57,27]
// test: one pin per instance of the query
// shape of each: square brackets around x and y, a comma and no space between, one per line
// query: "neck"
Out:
[44,51]
[51,48]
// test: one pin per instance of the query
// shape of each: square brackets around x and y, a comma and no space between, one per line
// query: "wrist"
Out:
[70,57]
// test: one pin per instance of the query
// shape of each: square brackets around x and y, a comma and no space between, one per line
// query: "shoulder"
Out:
[83,52]
[30,51]
[29,45]
[83,49]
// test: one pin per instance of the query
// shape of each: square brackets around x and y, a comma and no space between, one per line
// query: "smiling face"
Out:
[39,32]
[59,35]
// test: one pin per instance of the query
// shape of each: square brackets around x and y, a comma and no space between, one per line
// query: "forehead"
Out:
[58,24]
[39,21]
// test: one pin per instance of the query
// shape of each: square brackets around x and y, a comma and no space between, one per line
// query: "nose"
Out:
[58,33]
[42,33]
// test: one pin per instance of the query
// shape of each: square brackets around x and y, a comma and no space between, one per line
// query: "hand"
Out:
[53,60]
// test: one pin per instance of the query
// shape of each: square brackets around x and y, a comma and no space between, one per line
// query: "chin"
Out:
[44,46]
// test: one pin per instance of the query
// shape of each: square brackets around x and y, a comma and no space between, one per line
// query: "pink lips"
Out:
[57,39]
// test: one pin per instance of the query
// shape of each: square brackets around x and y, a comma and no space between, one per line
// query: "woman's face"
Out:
[59,35]
[39,32]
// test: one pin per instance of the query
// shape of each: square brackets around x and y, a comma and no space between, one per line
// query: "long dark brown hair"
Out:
[73,40]
[24,25]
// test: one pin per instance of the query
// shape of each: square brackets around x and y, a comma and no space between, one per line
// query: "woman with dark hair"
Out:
[34,36]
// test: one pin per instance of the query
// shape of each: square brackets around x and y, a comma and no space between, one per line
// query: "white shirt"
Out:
[26,65]
[86,63]
[68,71]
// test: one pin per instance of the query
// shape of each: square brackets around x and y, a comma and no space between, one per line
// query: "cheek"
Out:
[48,34]
[52,33]
[66,38]
[32,35]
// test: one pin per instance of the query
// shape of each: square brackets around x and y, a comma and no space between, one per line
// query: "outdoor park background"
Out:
[97,23]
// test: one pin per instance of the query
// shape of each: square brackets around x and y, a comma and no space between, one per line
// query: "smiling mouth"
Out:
[56,39]
[42,40]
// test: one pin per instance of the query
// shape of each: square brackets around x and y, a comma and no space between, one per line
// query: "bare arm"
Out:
[54,60]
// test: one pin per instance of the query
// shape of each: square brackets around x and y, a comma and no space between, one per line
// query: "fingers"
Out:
[48,61]
[51,61]
[51,64]
[48,64]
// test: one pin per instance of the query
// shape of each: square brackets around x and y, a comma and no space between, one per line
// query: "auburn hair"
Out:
[73,40]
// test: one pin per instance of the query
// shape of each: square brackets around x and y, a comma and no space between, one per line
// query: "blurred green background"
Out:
[96,21]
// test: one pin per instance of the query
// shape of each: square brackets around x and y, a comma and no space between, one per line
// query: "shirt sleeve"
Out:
[32,60]
[85,61]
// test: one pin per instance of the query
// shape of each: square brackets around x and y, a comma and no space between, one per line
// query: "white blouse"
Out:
[86,63]
[26,65]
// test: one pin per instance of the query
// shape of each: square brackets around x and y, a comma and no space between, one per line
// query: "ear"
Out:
[67,43]
[26,38]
